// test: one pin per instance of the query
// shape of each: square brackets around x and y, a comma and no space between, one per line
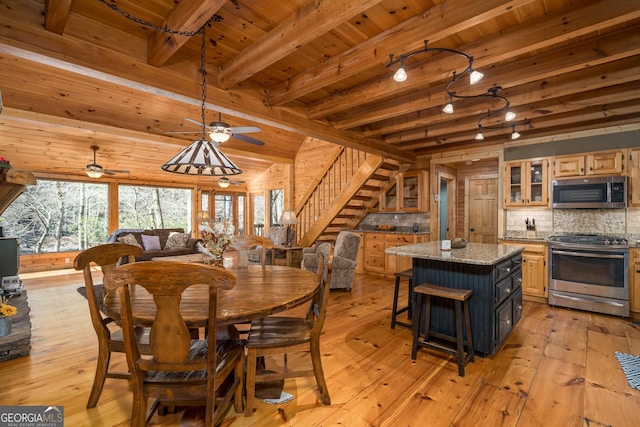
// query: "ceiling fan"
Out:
[220,131]
[224,182]
[94,170]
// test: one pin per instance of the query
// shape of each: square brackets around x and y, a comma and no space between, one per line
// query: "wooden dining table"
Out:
[259,291]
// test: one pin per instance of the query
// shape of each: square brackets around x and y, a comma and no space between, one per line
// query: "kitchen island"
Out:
[491,271]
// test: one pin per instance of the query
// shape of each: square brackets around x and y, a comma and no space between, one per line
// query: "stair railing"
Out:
[329,184]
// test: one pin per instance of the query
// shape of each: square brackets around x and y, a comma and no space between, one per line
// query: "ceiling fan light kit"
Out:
[474,77]
[95,171]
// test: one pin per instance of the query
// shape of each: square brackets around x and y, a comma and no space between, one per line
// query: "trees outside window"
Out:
[57,216]
[276,206]
[154,207]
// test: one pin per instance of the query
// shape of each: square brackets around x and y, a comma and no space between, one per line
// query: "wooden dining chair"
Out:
[181,371]
[281,335]
[110,338]
[255,244]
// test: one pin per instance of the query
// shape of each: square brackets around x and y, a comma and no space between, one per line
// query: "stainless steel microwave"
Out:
[603,192]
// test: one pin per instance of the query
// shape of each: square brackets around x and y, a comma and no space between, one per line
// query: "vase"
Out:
[5,326]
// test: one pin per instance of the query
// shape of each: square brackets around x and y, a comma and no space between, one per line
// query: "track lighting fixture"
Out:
[474,77]
[515,134]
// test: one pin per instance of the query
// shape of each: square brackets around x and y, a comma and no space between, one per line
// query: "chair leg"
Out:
[238,376]
[319,373]
[416,325]
[250,384]
[410,300]
[394,309]
[104,356]
[459,338]
[138,408]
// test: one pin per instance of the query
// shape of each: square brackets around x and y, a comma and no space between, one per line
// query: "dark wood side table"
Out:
[293,254]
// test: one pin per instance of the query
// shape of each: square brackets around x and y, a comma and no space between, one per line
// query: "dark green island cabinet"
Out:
[491,271]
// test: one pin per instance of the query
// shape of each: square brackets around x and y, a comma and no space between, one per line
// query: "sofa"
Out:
[159,242]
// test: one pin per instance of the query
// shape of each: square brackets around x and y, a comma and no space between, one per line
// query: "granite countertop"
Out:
[398,230]
[473,253]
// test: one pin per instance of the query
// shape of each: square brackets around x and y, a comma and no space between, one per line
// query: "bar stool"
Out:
[423,293]
[407,274]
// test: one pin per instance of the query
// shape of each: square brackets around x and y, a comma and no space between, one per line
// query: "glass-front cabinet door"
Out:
[537,183]
[390,198]
[514,184]
[410,192]
[526,183]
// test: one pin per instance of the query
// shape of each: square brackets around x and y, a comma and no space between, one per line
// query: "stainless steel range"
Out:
[589,272]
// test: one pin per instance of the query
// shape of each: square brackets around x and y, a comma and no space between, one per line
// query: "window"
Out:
[276,206]
[240,227]
[58,216]
[154,207]
[224,207]
[257,201]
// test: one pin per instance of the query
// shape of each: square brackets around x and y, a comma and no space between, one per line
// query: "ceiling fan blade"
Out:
[112,171]
[194,121]
[245,129]
[181,133]
[237,182]
[247,139]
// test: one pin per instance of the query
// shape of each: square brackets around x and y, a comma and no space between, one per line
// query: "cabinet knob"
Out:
[508,290]
[508,322]
[519,306]
[508,269]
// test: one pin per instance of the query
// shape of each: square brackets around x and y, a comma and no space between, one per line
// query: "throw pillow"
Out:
[177,240]
[151,243]
[129,239]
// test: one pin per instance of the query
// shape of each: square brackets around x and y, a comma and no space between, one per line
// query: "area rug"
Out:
[630,365]
[97,290]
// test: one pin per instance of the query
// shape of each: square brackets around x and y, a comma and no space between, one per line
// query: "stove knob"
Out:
[614,242]
[607,242]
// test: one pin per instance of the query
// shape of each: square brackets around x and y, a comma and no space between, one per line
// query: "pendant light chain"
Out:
[203,71]
[214,18]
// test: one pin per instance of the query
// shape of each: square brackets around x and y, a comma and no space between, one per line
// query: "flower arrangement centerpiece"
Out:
[6,311]
[216,239]
[4,163]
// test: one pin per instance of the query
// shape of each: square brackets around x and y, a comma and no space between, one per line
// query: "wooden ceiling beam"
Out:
[518,40]
[570,108]
[56,14]
[72,56]
[313,19]
[187,16]
[606,77]
[627,111]
[618,45]
[441,21]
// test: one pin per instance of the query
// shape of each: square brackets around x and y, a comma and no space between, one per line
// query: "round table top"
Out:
[259,291]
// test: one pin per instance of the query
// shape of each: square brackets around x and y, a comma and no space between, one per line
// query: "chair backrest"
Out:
[318,308]
[106,257]
[347,245]
[169,337]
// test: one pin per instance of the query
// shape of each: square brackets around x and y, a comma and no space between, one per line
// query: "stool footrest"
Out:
[442,292]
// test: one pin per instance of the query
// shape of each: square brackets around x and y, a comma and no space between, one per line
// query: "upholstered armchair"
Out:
[311,258]
[343,262]
[279,237]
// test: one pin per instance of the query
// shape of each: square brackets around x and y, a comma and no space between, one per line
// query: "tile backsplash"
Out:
[616,222]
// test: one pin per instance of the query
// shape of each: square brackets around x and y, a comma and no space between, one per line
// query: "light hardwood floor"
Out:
[558,368]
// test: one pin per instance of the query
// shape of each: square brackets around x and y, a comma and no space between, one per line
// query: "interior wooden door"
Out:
[482,209]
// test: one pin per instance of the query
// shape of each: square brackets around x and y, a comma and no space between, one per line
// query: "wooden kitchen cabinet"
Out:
[634,284]
[534,268]
[375,258]
[360,256]
[600,163]
[633,182]
[406,193]
[526,183]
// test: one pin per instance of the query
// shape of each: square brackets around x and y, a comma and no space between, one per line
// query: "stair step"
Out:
[362,197]
[390,166]
[369,187]
[346,216]
[378,177]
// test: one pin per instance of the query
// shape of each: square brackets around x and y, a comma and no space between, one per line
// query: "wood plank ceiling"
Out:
[75,73]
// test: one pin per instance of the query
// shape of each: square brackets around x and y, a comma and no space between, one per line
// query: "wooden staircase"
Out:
[347,189]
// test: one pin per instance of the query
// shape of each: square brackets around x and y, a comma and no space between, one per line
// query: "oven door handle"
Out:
[586,255]
[616,304]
